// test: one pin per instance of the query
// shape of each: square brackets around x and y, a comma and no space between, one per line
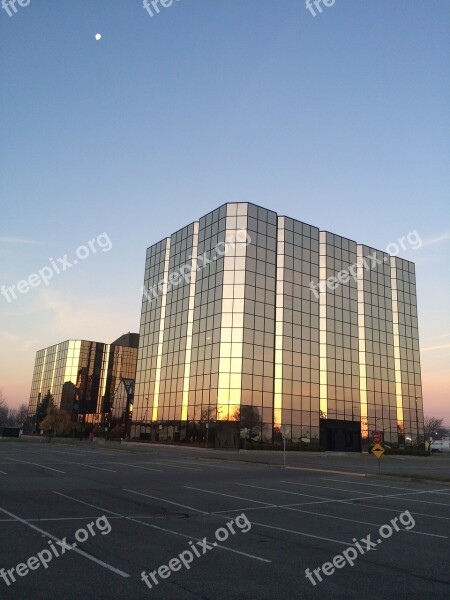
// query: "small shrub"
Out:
[117,433]
[99,431]
[291,447]
[406,451]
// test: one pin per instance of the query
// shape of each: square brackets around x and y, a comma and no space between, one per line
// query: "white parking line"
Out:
[213,464]
[71,452]
[89,466]
[309,512]
[134,520]
[318,537]
[3,473]
[416,493]
[56,539]
[22,450]
[95,467]
[301,533]
[392,487]
[388,496]
[228,495]
[399,510]
[92,452]
[164,464]
[414,500]
[230,510]
[258,487]
[35,464]
[138,467]
[325,487]
[45,519]
[53,519]
[167,501]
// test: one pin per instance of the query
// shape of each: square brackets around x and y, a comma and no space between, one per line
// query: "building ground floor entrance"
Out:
[343,436]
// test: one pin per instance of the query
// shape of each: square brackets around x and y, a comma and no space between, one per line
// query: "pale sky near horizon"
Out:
[339,120]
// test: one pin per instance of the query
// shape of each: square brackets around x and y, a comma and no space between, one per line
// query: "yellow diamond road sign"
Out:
[378,450]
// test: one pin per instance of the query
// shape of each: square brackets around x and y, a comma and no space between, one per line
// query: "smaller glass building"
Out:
[122,403]
[82,376]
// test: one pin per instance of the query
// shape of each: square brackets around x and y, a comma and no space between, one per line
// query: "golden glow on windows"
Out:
[279,316]
[190,322]
[231,342]
[161,332]
[396,332]
[323,403]
[105,370]
[362,347]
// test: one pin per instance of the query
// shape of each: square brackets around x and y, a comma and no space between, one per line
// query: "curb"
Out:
[408,479]
[327,471]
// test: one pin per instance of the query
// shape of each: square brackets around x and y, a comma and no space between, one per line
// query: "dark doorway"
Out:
[227,435]
[341,436]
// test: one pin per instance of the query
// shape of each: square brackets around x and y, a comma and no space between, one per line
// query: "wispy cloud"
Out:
[70,317]
[431,348]
[15,240]
[436,337]
[17,342]
[436,239]
[445,335]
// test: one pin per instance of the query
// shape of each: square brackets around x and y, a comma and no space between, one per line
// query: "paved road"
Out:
[224,529]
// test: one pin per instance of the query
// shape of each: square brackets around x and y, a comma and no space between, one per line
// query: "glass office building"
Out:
[251,321]
[82,376]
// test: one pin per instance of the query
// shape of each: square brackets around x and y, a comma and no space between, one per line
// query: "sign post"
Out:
[285,429]
[377,437]
[378,451]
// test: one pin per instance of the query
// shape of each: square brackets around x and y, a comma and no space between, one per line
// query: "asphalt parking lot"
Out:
[264,525]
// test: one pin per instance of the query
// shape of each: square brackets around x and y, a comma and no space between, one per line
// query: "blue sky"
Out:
[340,120]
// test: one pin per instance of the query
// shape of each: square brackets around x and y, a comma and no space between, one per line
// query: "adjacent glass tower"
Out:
[82,376]
[252,320]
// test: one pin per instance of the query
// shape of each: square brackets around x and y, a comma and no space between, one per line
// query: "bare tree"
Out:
[430,425]
[208,415]
[3,409]
[12,417]
[21,415]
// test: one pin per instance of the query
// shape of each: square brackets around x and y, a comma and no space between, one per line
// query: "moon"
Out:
[98,36]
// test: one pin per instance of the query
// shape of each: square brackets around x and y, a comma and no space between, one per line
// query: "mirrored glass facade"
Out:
[252,320]
[82,376]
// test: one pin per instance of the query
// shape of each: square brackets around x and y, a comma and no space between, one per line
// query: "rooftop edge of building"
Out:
[164,239]
[129,340]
